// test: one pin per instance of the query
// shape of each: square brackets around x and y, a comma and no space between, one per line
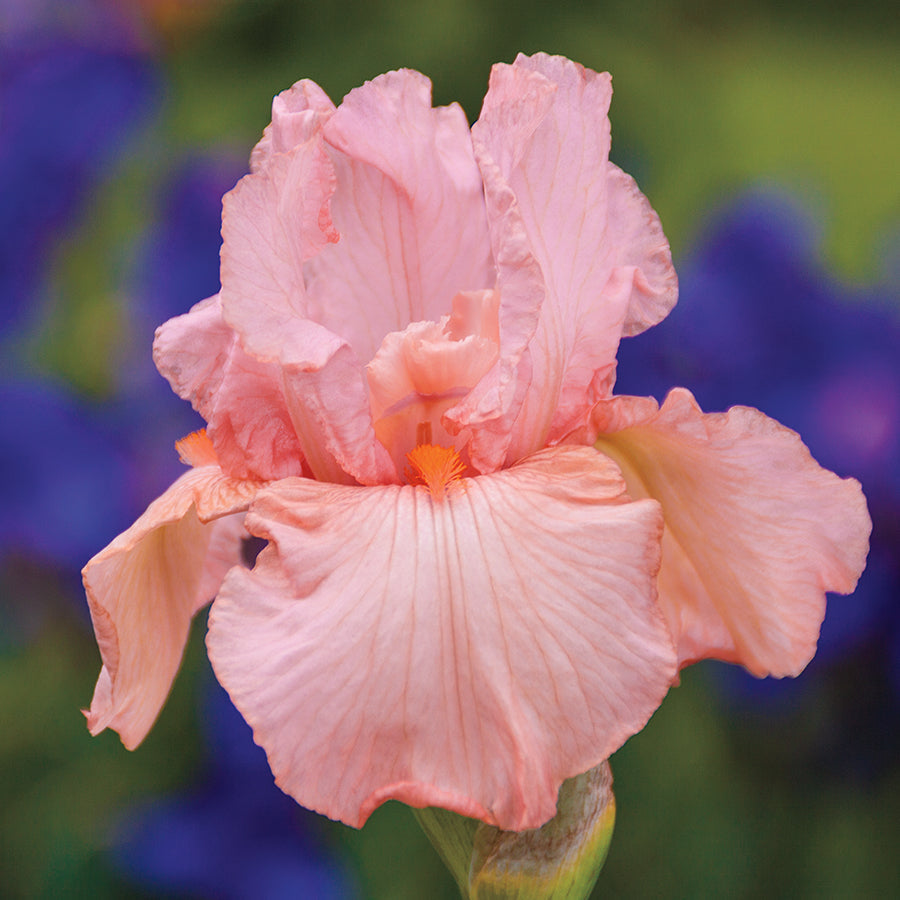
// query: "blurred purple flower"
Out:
[64,479]
[68,108]
[236,836]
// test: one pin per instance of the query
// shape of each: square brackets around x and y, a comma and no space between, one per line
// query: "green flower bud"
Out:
[559,861]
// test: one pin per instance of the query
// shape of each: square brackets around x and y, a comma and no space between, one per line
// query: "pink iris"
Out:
[483,570]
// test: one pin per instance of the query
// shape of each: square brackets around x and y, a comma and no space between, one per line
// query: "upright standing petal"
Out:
[639,252]
[470,652]
[145,587]
[273,222]
[297,115]
[410,210]
[489,411]
[585,228]
[756,531]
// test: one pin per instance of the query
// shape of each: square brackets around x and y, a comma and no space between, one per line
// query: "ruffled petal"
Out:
[488,413]
[273,222]
[410,211]
[469,653]
[146,586]
[639,253]
[602,274]
[241,398]
[330,411]
[419,373]
[297,115]
[756,531]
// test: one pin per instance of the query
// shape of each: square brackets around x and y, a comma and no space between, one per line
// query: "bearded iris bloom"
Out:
[483,570]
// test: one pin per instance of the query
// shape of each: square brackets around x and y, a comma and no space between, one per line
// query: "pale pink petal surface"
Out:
[273,222]
[146,586]
[410,211]
[297,115]
[756,531]
[470,653]
[418,374]
[241,398]
[489,412]
[550,147]
[639,253]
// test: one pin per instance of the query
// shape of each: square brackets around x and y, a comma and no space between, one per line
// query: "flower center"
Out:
[438,468]
[424,371]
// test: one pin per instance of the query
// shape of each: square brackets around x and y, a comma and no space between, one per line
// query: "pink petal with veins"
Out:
[419,373]
[545,150]
[756,531]
[297,115]
[241,398]
[470,652]
[410,210]
[273,222]
[146,586]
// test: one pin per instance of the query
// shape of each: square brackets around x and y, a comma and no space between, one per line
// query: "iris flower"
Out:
[483,570]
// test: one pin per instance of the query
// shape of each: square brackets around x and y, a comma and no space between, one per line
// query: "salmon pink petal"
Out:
[417,374]
[297,115]
[330,411]
[241,398]
[550,147]
[489,411]
[639,253]
[756,531]
[145,587]
[470,652]
[410,211]
[273,222]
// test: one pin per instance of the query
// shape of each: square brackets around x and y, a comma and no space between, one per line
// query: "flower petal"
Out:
[469,653]
[419,373]
[604,261]
[489,411]
[241,398]
[273,222]
[640,252]
[756,531]
[297,115]
[145,587]
[410,211]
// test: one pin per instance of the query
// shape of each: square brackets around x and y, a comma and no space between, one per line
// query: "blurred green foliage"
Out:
[706,97]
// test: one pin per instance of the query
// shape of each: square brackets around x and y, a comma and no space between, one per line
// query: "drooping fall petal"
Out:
[241,398]
[146,586]
[756,531]
[470,652]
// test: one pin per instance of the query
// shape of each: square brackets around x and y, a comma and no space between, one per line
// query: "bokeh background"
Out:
[767,135]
